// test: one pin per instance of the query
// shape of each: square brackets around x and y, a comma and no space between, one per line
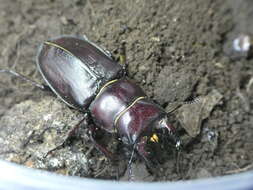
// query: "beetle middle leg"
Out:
[98,146]
[32,82]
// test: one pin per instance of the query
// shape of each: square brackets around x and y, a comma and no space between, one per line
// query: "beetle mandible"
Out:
[86,77]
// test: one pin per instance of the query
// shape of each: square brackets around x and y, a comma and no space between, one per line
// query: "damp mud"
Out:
[177,51]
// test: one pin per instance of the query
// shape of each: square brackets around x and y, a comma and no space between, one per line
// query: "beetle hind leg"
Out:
[32,82]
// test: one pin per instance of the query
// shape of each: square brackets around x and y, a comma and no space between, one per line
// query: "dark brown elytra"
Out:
[86,77]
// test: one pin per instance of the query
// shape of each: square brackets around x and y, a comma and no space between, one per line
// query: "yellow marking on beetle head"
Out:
[154,138]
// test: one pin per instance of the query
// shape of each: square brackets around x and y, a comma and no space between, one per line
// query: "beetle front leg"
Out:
[32,82]
[140,147]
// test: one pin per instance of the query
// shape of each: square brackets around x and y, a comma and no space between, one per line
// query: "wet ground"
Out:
[176,50]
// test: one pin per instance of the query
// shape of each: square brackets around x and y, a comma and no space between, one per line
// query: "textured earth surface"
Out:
[176,50]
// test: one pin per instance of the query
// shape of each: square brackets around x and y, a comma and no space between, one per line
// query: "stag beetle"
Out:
[86,77]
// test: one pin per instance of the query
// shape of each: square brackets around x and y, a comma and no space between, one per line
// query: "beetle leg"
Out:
[70,134]
[99,147]
[122,56]
[38,85]
[174,106]
[130,172]
[140,147]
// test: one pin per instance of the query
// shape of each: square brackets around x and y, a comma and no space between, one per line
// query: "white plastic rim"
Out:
[16,177]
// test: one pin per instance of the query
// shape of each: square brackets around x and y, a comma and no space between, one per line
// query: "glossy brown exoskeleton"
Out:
[86,77]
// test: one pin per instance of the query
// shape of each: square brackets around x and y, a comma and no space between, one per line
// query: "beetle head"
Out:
[159,137]
[165,130]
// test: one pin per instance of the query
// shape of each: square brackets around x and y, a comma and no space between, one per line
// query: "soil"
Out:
[176,50]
